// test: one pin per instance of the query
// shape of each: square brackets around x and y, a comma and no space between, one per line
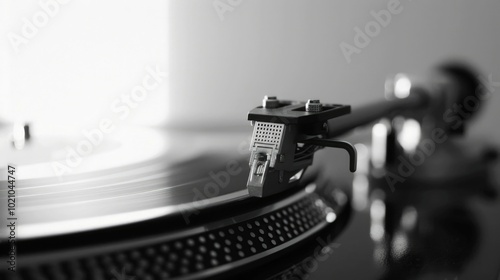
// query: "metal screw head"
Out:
[313,105]
[270,102]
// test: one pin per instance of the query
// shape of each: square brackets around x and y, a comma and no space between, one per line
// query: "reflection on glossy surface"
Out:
[377,215]
[425,233]
[425,229]
[360,181]
[379,142]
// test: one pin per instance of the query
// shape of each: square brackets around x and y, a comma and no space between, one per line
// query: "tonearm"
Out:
[286,134]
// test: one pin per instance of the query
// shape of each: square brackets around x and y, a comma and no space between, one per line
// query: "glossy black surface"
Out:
[420,230]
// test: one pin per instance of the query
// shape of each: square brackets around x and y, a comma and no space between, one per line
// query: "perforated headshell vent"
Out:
[268,133]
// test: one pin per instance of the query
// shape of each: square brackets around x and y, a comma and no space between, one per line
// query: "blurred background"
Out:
[68,65]
[223,56]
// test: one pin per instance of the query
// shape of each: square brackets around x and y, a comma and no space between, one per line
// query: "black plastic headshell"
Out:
[285,136]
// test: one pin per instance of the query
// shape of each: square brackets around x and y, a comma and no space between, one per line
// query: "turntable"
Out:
[156,204]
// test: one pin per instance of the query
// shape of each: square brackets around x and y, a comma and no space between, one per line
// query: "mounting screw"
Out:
[270,102]
[313,105]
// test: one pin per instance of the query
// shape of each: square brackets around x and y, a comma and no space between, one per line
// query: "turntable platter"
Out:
[144,175]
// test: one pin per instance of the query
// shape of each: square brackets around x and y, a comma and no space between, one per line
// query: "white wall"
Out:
[67,71]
